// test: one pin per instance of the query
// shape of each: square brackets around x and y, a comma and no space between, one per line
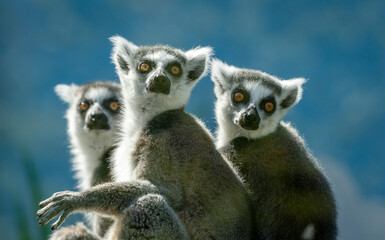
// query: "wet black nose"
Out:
[250,119]
[161,79]
[98,121]
[251,115]
[98,117]
[159,84]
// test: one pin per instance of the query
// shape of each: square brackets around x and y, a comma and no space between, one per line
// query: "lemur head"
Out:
[251,103]
[158,78]
[93,107]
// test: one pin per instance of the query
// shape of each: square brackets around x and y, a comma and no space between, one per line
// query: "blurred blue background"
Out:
[339,46]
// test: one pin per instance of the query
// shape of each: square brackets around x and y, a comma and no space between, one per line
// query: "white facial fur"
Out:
[151,104]
[140,106]
[228,78]
[136,98]
[87,146]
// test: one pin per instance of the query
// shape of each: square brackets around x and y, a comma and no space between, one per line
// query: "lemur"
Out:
[92,118]
[291,196]
[170,181]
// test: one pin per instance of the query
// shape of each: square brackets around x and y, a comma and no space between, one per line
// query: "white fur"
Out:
[66,92]
[87,147]
[227,115]
[123,48]
[98,94]
[199,54]
[221,72]
[228,126]
[141,106]
[291,84]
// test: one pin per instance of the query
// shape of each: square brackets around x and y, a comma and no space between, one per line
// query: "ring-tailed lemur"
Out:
[166,158]
[92,118]
[291,196]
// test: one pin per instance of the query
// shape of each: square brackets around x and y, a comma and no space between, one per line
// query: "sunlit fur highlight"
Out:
[291,196]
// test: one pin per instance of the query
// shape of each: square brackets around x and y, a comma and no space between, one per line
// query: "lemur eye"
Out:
[238,97]
[144,67]
[175,70]
[114,106]
[84,105]
[269,106]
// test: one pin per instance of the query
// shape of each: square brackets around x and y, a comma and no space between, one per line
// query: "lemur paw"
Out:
[59,202]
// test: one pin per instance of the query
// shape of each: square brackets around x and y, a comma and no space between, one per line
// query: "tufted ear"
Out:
[291,92]
[66,92]
[122,53]
[221,75]
[198,60]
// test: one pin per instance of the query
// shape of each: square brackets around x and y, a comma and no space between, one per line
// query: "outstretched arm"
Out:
[108,199]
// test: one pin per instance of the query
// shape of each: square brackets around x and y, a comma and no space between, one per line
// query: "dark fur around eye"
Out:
[150,65]
[174,64]
[86,103]
[107,102]
[244,93]
[264,101]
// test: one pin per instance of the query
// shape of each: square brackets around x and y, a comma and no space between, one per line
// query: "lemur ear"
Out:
[221,75]
[66,92]
[198,62]
[122,53]
[291,92]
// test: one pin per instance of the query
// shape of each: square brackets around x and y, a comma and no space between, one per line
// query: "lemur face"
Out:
[163,74]
[252,102]
[93,106]
[97,107]
[252,105]
[159,71]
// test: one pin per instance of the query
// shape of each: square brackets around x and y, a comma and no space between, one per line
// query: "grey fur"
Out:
[257,76]
[87,144]
[287,186]
[179,186]
[102,173]
[243,75]
[291,196]
[78,232]
[144,50]
[138,209]
[111,86]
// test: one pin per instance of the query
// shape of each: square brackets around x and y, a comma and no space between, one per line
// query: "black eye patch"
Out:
[268,105]
[84,105]
[112,104]
[175,69]
[239,96]
[145,66]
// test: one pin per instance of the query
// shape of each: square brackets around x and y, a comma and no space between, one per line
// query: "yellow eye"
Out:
[175,70]
[269,106]
[144,67]
[84,105]
[114,106]
[239,97]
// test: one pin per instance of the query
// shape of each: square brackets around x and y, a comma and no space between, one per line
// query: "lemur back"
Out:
[292,198]
[92,118]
